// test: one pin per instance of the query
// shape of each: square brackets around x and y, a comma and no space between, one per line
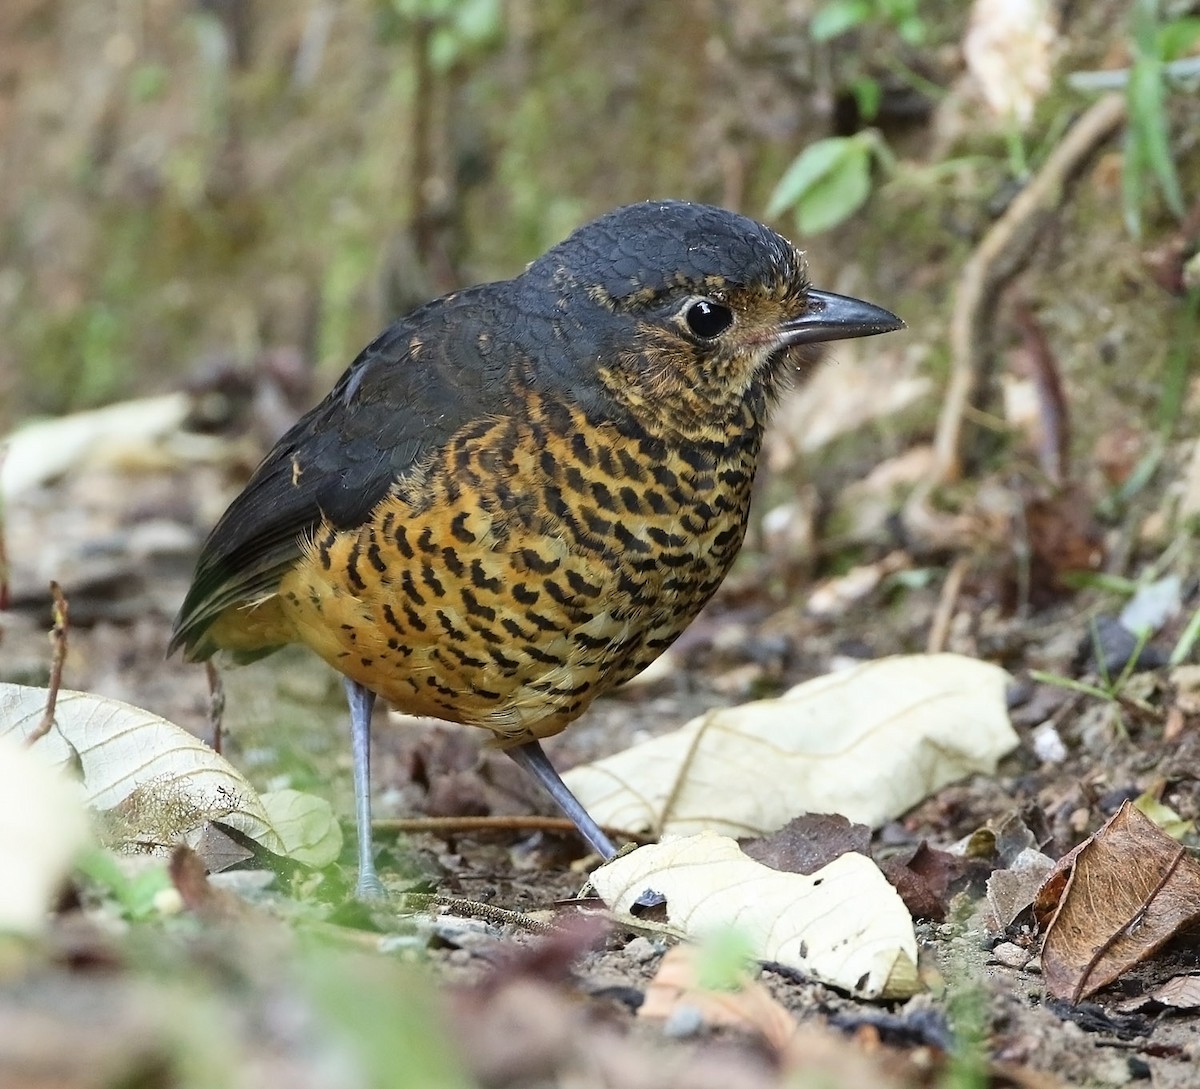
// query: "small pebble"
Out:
[1010,955]
[1047,745]
[168,901]
[684,1021]
[641,950]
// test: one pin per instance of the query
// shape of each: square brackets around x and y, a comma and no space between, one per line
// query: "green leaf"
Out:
[836,18]
[724,960]
[135,893]
[812,164]
[387,1016]
[912,29]
[478,21]
[1164,816]
[148,82]
[1148,120]
[1133,172]
[1176,38]
[445,49]
[306,824]
[837,194]
[867,96]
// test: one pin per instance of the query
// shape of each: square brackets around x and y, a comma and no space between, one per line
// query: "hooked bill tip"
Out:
[838,317]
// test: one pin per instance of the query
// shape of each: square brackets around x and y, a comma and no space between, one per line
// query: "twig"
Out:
[939,630]
[216,703]
[435,825]
[1003,252]
[314,39]
[474,909]
[1055,440]
[58,639]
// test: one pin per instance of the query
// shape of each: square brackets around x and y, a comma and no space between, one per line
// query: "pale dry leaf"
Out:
[1179,992]
[155,784]
[749,1006]
[843,925]
[1153,605]
[42,825]
[868,742]
[46,449]
[834,597]
[1009,50]
[864,507]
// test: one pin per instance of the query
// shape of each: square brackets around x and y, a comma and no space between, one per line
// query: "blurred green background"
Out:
[188,180]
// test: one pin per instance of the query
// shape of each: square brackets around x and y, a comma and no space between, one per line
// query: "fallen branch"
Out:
[939,629]
[442,825]
[1004,251]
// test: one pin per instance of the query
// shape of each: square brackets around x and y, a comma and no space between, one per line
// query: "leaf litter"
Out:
[934,878]
[146,995]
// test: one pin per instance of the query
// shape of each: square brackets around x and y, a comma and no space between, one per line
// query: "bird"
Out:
[520,494]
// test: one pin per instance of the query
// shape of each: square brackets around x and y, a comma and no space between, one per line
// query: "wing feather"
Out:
[403,398]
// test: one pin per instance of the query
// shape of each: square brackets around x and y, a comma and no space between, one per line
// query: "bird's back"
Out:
[520,495]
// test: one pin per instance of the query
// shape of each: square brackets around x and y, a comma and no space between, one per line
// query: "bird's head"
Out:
[719,307]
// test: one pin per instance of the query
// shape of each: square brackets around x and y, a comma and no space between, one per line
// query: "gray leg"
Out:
[532,757]
[362,701]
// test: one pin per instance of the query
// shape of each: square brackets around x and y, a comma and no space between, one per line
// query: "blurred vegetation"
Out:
[213,180]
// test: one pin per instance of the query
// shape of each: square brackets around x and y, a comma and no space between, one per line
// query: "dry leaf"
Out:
[1180,992]
[199,895]
[42,825]
[155,784]
[807,843]
[675,984]
[1011,891]
[869,743]
[1189,501]
[863,508]
[1115,900]
[846,399]
[834,597]
[925,879]
[844,924]
[44,450]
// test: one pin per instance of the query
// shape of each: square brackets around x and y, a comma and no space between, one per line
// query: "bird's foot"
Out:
[369,890]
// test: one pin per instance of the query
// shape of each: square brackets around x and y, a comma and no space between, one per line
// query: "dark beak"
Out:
[837,317]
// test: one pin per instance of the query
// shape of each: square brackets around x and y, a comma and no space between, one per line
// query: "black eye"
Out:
[708,319]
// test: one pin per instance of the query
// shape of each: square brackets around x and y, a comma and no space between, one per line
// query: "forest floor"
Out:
[528,983]
[150,228]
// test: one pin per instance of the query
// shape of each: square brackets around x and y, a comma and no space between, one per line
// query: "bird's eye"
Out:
[708,319]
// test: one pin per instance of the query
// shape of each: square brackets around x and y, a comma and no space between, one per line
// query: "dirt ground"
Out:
[285,722]
[223,208]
